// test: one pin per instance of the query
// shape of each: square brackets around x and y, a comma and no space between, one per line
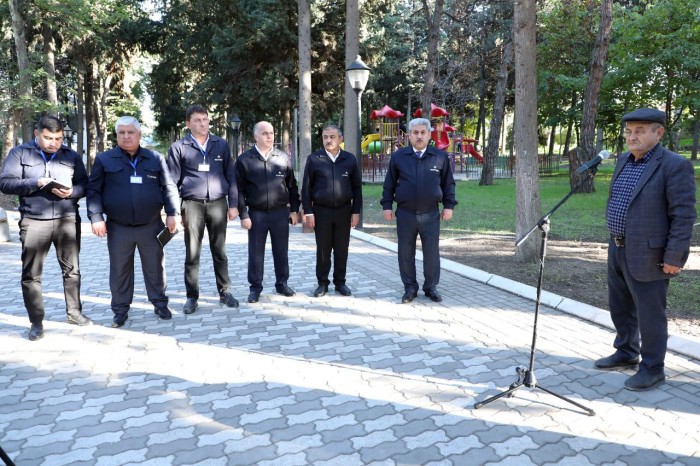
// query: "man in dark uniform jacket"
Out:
[47,216]
[331,194]
[130,185]
[268,199]
[201,166]
[650,216]
[418,179]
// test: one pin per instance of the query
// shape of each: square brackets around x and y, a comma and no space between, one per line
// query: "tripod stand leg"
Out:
[588,411]
[508,392]
[5,459]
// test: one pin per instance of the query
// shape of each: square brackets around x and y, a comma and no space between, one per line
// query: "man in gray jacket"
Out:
[650,216]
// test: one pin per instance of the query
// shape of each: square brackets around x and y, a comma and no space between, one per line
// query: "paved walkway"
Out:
[341,381]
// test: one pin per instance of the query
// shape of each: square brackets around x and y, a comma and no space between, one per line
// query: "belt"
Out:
[619,241]
[204,201]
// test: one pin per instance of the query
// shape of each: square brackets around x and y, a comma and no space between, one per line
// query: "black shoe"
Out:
[616,360]
[320,291]
[78,318]
[36,332]
[433,295]
[119,320]
[190,306]
[343,289]
[408,297]
[645,380]
[163,312]
[254,296]
[284,290]
[228,299]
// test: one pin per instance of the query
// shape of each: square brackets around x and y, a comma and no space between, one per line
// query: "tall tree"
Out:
[19,31]
[305,115]
[527,196]
[352,50]
[433,20]
[590,99]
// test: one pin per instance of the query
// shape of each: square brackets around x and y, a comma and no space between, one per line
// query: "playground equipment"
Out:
[441,137]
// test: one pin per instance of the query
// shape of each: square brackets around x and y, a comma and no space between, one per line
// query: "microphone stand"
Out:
[526,376]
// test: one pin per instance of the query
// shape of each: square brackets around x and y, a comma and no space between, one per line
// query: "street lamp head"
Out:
[67,132]
[235,122]
[358,74]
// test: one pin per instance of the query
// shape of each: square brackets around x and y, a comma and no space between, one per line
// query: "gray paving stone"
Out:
[383,451]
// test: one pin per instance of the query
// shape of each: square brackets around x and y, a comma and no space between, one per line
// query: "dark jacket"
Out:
[660,216]
[111,192]
[21,172]
[418,185]
[331,184]
[266,185]
[184,158]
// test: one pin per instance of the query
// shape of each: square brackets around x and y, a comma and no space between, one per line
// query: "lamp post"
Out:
[235,124]
[358,75]
[68,135]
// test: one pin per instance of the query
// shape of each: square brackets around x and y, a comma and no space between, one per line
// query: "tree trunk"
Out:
[50,67]
[570,125]
[90,113]
[552,138]
[9,138]
[433,24]
[352,51]
[80,118]
[590,100]
[19,33]
[104,80]
[696,139]
[491,149]
[482,100]
[305,110]
[527,196]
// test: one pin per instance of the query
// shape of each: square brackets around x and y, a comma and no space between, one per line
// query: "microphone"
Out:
[593,163]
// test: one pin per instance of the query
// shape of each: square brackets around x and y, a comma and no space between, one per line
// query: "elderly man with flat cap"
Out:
[650,216]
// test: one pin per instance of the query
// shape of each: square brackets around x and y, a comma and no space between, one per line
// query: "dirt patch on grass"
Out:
[576,270]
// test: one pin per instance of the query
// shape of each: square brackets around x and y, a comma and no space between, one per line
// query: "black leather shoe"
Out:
[190,306]
[228,299]
[254,296]
[645,380]
[163,312]
[78,318]
[119,320]
[36,332]
[343,289]
[408,297]
[616,360]
[433,295]
[320,291]
[284,290]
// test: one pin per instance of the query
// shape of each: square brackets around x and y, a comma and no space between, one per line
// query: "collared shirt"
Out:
[202,147]
[621,192]
[416,151]
[333,157]
[265,155]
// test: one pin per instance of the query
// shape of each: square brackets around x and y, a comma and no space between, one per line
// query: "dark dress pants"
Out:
[409,226]
[37,236]
[637,309]
[214,216]
[332,236]
[122,241]
[276,222]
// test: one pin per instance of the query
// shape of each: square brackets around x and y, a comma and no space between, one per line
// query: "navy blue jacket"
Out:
[184,158]
[266,185]
[418,185]
[331,184]
[21,172]
[110,191]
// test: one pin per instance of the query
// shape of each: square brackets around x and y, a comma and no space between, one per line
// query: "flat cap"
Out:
[646,114]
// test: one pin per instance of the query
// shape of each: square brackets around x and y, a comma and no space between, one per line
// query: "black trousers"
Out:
[409,226]
[332,236]
[214,216]
[122,242]
[275,222]
[637,309]
[37,236]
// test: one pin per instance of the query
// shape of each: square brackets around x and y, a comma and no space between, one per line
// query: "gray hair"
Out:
[256,128]
[419,122]
[335,127]
[127,121]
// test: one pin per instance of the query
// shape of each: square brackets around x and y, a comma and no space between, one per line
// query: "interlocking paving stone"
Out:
[340,381]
